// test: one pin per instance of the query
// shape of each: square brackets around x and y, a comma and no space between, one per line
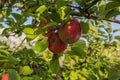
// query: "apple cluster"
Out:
[68,33]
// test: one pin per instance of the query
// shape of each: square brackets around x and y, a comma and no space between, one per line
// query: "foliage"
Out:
[94,57]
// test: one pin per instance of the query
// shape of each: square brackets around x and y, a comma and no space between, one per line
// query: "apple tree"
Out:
[59,40]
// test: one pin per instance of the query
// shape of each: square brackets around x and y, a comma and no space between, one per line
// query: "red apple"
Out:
[5,77]
[70,32]
[55,44]
[49,29]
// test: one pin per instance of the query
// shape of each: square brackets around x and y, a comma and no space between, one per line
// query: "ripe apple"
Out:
[49,29]
[5,77]
[70,32]
[55,44]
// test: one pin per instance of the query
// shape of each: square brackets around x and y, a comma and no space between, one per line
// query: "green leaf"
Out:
[114,73]
[28,78]
[109,7]
[78,49]
[3,61]
[79,2]
[54,64]
[78,52]
[6,31]
[112,5]
[49,25]
[25,78]
[27,70]
[67,11]
[113,12]
[2,56]
[80,44]
[4,51]
[8,58]
[1,16]
[36,77]
[85,27]
[29,33]
[101,6]
[39,31]
[42,18]
[60,3]
[12,59]
[64,12]
[41,46]
[117,37]
[30,37]
[43,29]
[13,74]
[41,9]
[55,17]
[115,0]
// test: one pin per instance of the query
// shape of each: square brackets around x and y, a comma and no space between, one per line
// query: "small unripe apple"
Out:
[70,32]
[49,29]
[55,44]
[5,77]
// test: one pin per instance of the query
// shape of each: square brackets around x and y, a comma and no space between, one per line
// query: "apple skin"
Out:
[55,44]
[49,29]
[70,32]
[5,77]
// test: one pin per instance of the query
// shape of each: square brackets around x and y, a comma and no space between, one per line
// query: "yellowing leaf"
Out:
[28,31]
[41,9]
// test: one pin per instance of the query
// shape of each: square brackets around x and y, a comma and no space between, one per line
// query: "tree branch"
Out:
[110,19]
[18,46]
[113,20]
[95,17]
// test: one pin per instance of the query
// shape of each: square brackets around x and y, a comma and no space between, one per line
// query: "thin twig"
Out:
[95,17]
[110,19]
[113,20]
[18,46]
